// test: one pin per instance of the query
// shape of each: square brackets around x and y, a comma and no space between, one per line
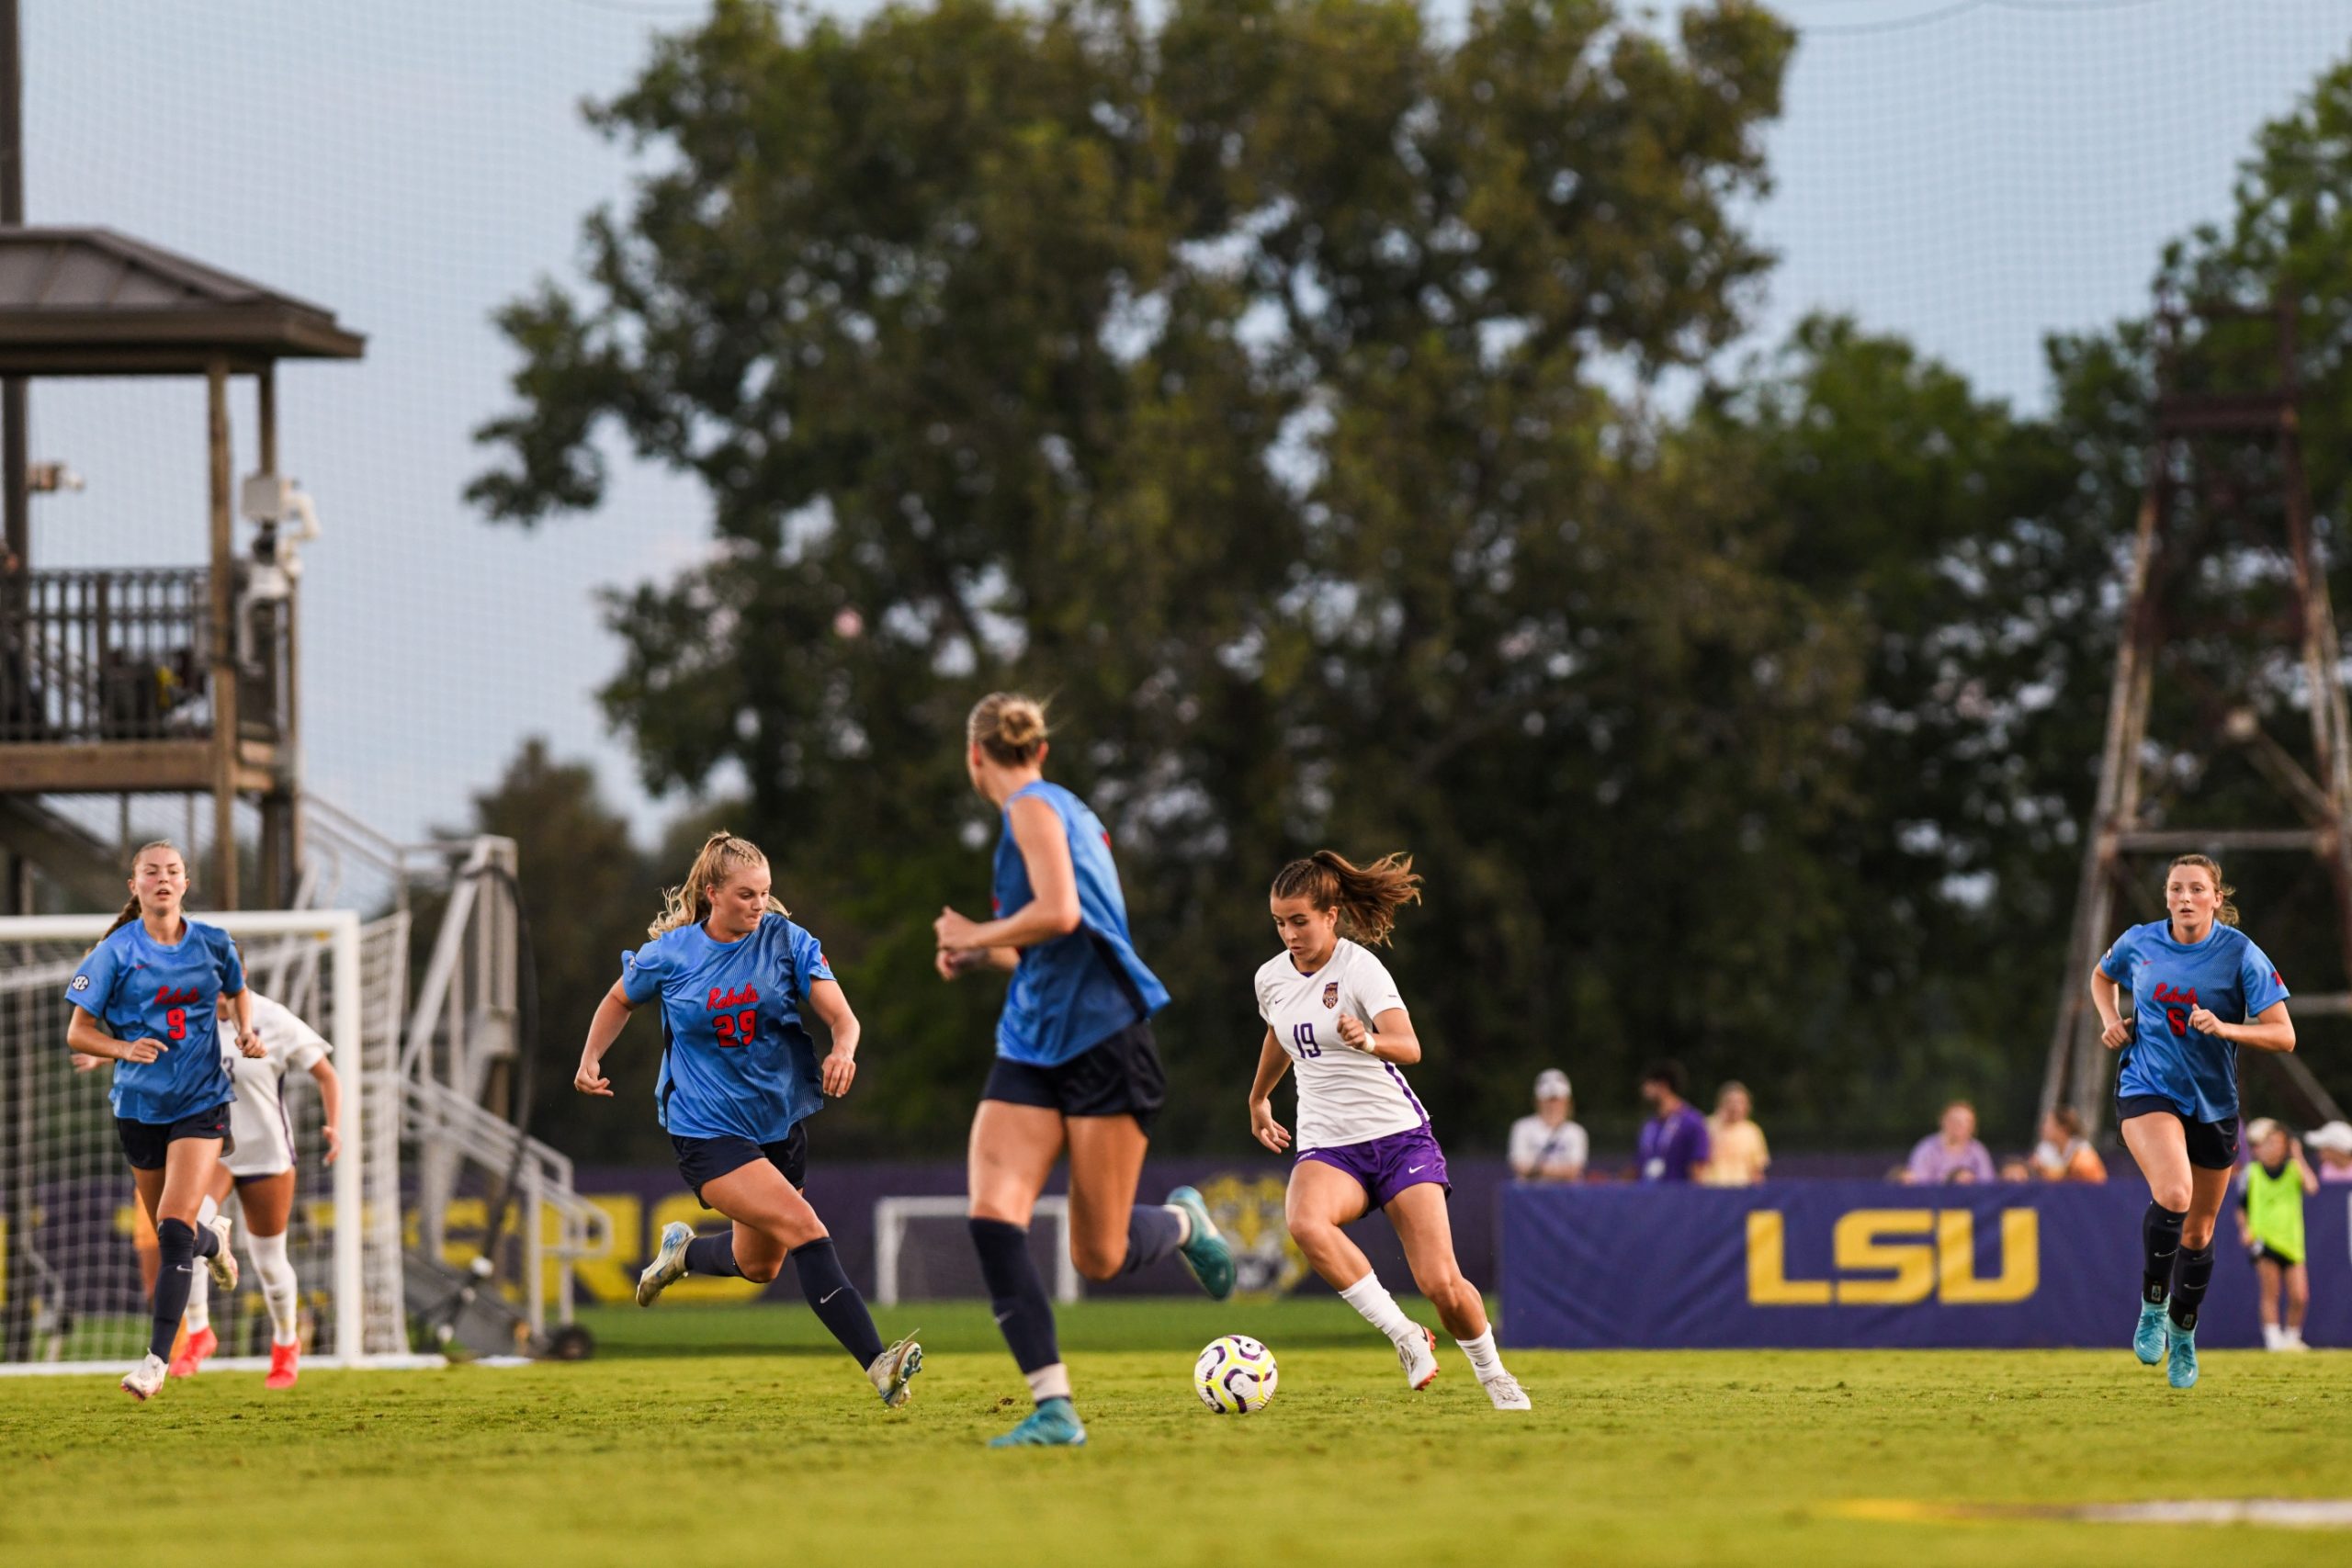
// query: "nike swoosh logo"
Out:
[1000,1317]
[1416,1170]
[829,1295]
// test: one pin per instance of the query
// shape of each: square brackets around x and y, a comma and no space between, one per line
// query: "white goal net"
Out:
[922,1250]
[72,1293]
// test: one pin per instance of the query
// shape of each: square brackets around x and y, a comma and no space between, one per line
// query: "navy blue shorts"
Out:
[707,1160]
[1117,1077]
[146,1144]
[2213,1145]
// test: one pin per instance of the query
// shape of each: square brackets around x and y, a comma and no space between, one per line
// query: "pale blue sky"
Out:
[1972,176]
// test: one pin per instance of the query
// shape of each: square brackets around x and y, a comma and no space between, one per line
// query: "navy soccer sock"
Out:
[834,1300]
[713,1255]
[1153,1233]
[2160,1236]
[1017,1293]
[2193,1273]
[176,1240]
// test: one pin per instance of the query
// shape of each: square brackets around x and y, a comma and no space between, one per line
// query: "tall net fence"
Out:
[75,1286]
[1971,175]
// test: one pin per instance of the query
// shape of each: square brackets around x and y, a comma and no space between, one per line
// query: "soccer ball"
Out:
[1235,1375]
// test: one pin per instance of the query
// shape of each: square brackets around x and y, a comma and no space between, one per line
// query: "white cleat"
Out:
[1419,1356]
[1504,1389]
[142,1380]
[223,1263]
[669,1265]
[893,1368]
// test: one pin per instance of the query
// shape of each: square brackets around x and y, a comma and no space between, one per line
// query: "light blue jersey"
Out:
[2195,1072]
[1076,991]
[140,990]
[737,1060]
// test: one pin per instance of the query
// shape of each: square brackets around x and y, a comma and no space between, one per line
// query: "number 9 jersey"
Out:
[140,990]
[736,1059]
[2226,975]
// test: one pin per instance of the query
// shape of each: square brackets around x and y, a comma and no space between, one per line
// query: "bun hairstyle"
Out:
[129,910]
[721,856]
[1367,897]
[1008,727]
[2228,913]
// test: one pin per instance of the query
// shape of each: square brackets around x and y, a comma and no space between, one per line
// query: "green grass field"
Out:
[738,1436]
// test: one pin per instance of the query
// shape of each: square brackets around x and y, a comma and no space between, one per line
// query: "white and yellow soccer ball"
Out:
[1235,1375]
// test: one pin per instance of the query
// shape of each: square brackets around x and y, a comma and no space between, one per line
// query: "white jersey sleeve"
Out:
[262,1134]
[1345,1096]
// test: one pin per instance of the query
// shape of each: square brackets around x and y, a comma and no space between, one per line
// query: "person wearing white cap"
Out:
[2334,1143]
[1547,1147]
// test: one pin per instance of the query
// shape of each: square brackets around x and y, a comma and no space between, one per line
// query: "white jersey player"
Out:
[1333,1015]
[260,1167]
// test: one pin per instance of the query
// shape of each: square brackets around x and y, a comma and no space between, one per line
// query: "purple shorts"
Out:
[1386,1166]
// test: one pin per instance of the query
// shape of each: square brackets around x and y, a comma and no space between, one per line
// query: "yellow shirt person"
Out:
[1736,1153]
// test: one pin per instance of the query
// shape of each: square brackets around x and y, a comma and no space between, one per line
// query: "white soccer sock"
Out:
[199,1299]
[2290,1336]
[2271,1337]
[277,1286]
[1048,1382]
[1483,1358]
[1183,1222]
[1376,1306]
[208,1211]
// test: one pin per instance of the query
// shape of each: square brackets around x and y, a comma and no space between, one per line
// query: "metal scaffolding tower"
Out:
[2225,431]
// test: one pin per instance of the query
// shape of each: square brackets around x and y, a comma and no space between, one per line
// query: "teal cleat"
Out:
[2148,1339]
[892,1369]
[1206,1254]
[669,1264]
[1052,1425]
[2182,1372]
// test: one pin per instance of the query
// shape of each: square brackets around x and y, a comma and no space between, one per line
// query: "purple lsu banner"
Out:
[1856,1265]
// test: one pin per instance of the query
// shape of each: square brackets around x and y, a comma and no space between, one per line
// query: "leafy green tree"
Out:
[1241,382]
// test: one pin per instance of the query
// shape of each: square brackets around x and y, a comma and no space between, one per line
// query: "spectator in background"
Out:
[2063,1154]
[2334,1143]
[1951,1153]
[1547,1147]
[1736,1153]
[2274,1182]
[1674,1140]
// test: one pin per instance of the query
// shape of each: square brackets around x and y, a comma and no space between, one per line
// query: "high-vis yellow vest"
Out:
[2274,1209]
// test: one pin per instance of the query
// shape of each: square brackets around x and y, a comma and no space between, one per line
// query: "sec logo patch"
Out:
[81,982]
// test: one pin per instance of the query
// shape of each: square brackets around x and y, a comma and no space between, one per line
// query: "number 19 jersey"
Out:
[1344,1096]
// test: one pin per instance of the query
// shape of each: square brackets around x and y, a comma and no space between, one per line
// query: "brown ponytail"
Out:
[1367,897]
[1009,726]
[2228,913]
[129,910]
[721,856]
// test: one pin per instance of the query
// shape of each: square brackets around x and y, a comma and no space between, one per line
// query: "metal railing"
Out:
[105,655]
[125,654]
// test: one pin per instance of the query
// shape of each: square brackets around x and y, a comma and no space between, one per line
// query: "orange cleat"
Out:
[200,1346]
[282,1370]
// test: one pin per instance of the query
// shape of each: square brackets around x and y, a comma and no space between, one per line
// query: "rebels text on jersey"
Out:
[740,1063]
[1345,1096]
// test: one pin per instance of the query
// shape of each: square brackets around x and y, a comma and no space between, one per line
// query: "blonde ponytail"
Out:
[1366,897]
[1009,726]
[721,856]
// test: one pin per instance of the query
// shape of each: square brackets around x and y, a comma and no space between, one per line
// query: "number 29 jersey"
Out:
[737,1059]
[1344,1096]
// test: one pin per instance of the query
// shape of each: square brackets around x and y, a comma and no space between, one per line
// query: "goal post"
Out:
[70,1295]
[922,1250]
